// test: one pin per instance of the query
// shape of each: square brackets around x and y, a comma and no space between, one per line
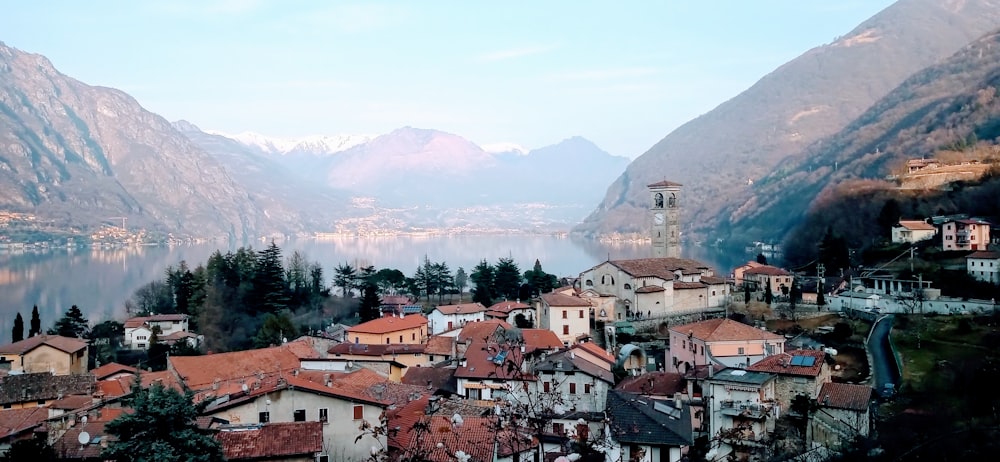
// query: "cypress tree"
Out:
[36,323]
[17,332]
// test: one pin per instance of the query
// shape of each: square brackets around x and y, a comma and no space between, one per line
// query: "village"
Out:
[463,382]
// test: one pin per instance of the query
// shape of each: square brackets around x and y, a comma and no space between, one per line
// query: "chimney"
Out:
[826,400]
[677,400]
[215,384]
[432,405]
[326,380]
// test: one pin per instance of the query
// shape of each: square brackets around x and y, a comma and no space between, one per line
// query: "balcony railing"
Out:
[745,410]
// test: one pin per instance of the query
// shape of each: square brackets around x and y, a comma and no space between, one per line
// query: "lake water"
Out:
[100,280]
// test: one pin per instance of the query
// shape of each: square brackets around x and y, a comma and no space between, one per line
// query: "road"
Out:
[884,368]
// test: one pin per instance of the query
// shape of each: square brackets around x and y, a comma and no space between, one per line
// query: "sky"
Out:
[621,74]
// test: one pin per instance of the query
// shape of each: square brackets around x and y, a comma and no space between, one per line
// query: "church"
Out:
[658,286]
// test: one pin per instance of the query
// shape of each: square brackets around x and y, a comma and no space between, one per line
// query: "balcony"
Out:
[744,410]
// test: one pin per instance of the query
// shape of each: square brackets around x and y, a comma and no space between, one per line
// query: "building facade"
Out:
[720,342]
[665,214]
[968,234]
[984,266]
[912,231]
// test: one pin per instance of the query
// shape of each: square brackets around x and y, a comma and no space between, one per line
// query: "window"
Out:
[413,336]
[141,345]
[558,428]
[546,387]
[572,388]
[628,286]
[473,393]
[264,417]
[740,351]
[586,388]
[299,415]
[400,339]
[41,402]
[590,283]
[323,416]
[323,458]
[701,349]
[564,314]
[581,314]
[359,412]
[582,432]
[387,340]
[565,330]
[684,344]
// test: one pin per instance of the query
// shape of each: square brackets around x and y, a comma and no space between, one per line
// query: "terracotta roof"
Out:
[463,308]
[481,362]
[483,331]
[403,420]
[663,184]
[475,437]
[768,270]
[198,372]
[984,254]
[540,339]
[20,388]
[14,421]
[712,280]
[68,445]
[783,364]
[396,300]
[272,440]
[681,285]
[595,350]
[440,345]
[112,388]
[558,299]
[107,370]
[375,349]
[650,289]
[916,225]
[845,396]
[662,268]
[390,324]
[723,329]
[71,402]
[507,306]
[140,320]
[654,383]
[66,344]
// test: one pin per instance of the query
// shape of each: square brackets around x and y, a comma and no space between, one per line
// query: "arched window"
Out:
[658,201]
[672,202]
[590,283]
[607,279]
[628,286]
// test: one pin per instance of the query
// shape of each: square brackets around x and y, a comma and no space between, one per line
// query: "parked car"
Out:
[887,391]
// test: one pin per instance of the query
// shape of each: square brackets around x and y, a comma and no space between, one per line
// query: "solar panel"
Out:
[808,361]
[796,361]
[667,409]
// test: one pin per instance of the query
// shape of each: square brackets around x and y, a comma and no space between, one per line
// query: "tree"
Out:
[507,279]
[461,282]
[390,281]
[761,258]
[161,427]
[833,252]
[71,324]
[105,339]
[370,306]
[483,283]
[820,296]
[274,331]
[768,296]
[155,297]
[889,215]
[35,449]
[36,323]
[522,322]
[540,281]
[343,277]
[156,354]
[746,293]
[17,332]
[270,293]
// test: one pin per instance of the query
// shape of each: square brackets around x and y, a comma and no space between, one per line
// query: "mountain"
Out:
[815,95]
[951,109]
[79,156]
[317,144]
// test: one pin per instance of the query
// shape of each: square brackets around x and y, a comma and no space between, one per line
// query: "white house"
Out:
[138,330]
[579,384]
[911,231]
[984,265]
[565,314]
[447,317]
[742,410]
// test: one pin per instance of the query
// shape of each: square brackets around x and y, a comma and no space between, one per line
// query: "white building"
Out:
[565,314]
[139,330]
[912,231]
[984,266]
[742,410]
[447,317]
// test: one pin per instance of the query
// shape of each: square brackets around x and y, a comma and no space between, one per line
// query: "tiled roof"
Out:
[14,421]
[66,344]
[272,440]
[396,300]
[68,446]
[462,308]
[782,364]
[916,225]
[567,361]
[723,329]
[681,285]
[107,370]
[650,289]
[375,349]
[558,299]
[984,254]
[640,420]
[112,388]
[199,372]
[654,383]
[481,362]
[437,378]
[662,268]
[595,350]
[712,280]
[664,184]
[475,437]
[507,306]
[71,402]
[390,324]
[403,420]
[43,386]
[440,345]
[540,339]
[845,396]
[768,270]
[483,331]
[140,320]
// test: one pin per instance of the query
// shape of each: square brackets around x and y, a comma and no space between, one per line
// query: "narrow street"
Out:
[884,368]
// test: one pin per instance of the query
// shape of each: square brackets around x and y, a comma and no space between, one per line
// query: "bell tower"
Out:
[665,233]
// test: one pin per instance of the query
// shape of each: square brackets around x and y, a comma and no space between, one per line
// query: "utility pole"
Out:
[912,248]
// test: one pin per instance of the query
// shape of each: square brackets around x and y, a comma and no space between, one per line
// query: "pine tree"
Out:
[507,278]
[36,323]
[269,288]
[370,305]
[274,331]
[71,324]
[17,332]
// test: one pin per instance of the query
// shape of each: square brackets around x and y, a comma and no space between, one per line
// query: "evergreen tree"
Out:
[761,258]
[768,296]
[820,296]
[157,352]
[269,288]
[370,306]
[71,324]
[507,278]
[461,282]
[443,280]
[343,277]
[539,281]
[483,283]
[833,252]
[274,331]
[482,294]
[161,427]
[36,323]
[746,293]
[17,332]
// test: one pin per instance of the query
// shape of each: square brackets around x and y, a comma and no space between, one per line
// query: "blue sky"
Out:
[621,74]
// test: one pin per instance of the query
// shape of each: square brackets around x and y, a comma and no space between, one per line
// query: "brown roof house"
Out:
[278,442]
[565,314]
[45,353]
[798,372]
[719,341]
[845,412]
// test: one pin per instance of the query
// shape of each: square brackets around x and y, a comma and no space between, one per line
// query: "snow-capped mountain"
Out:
[504,148]
[316,144]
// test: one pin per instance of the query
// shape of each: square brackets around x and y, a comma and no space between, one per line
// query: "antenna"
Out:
[83,438]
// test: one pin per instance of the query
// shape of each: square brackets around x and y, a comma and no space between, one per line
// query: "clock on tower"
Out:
[665,230]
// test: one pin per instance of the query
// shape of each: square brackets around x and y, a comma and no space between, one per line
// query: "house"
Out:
[68,446]
[40,389]
[966,234]
[139,329]
[742,410]
[489,331]
[912,231]
[396,358]
[395,305]
[984,265]
[510,310]
[719,341]
[655,286]
[112,371]
[18,424]
[438,380]
[764,276]
[491,370]
[646,429]
[233,369]
[447,317]
[440,348]
[566,315]
[797,372]
[915,165]
[573,381]
[45,353]
[284,442]
[739,273]
[410,329]
[844,412]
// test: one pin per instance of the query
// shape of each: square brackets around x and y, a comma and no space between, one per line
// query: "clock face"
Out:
[658,218]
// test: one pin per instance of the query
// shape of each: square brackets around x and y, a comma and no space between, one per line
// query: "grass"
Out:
[943,342]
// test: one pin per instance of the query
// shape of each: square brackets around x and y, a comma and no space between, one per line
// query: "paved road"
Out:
[884,368]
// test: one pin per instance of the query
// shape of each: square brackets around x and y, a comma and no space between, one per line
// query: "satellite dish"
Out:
[83,438]
[245,388]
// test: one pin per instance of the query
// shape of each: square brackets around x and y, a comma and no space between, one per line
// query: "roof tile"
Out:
[390,324]
[723,329]
[272,440]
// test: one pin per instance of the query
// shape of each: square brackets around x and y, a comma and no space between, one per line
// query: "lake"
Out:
[100,280]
